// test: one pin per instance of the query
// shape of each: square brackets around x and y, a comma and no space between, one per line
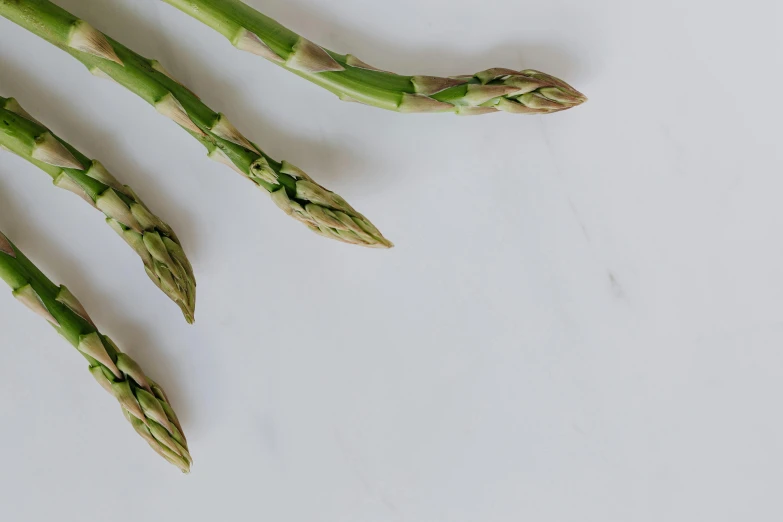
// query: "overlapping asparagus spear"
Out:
[292,190]
[143,402]
[152,239]
[522,92]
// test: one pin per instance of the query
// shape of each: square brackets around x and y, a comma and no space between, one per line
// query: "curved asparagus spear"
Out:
[522,92]
[143,402]
[152,239]
[292,190]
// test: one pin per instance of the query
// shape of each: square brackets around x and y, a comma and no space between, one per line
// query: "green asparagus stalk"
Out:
[152,239]
[291,189]
[520,92]
[143,402]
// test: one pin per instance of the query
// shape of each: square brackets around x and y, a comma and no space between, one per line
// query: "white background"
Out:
[582,319]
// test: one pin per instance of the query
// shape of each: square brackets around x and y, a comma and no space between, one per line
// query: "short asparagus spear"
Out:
[154,241]
[292,190]
[143,402]
[521,92]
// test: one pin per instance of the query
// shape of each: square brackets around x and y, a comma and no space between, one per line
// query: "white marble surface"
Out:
[582,320]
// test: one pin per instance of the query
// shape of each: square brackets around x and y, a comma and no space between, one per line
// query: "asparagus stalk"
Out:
[152,239]
[291,189]
[498,89]
[143,402]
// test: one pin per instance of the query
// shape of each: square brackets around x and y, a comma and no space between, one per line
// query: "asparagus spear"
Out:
[152,239]
[521,92]
[143,402]
[292,190]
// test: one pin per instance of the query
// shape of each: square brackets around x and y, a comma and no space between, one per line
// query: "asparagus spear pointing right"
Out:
[143,402]
[152,239]
[323,211]
[493,90]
